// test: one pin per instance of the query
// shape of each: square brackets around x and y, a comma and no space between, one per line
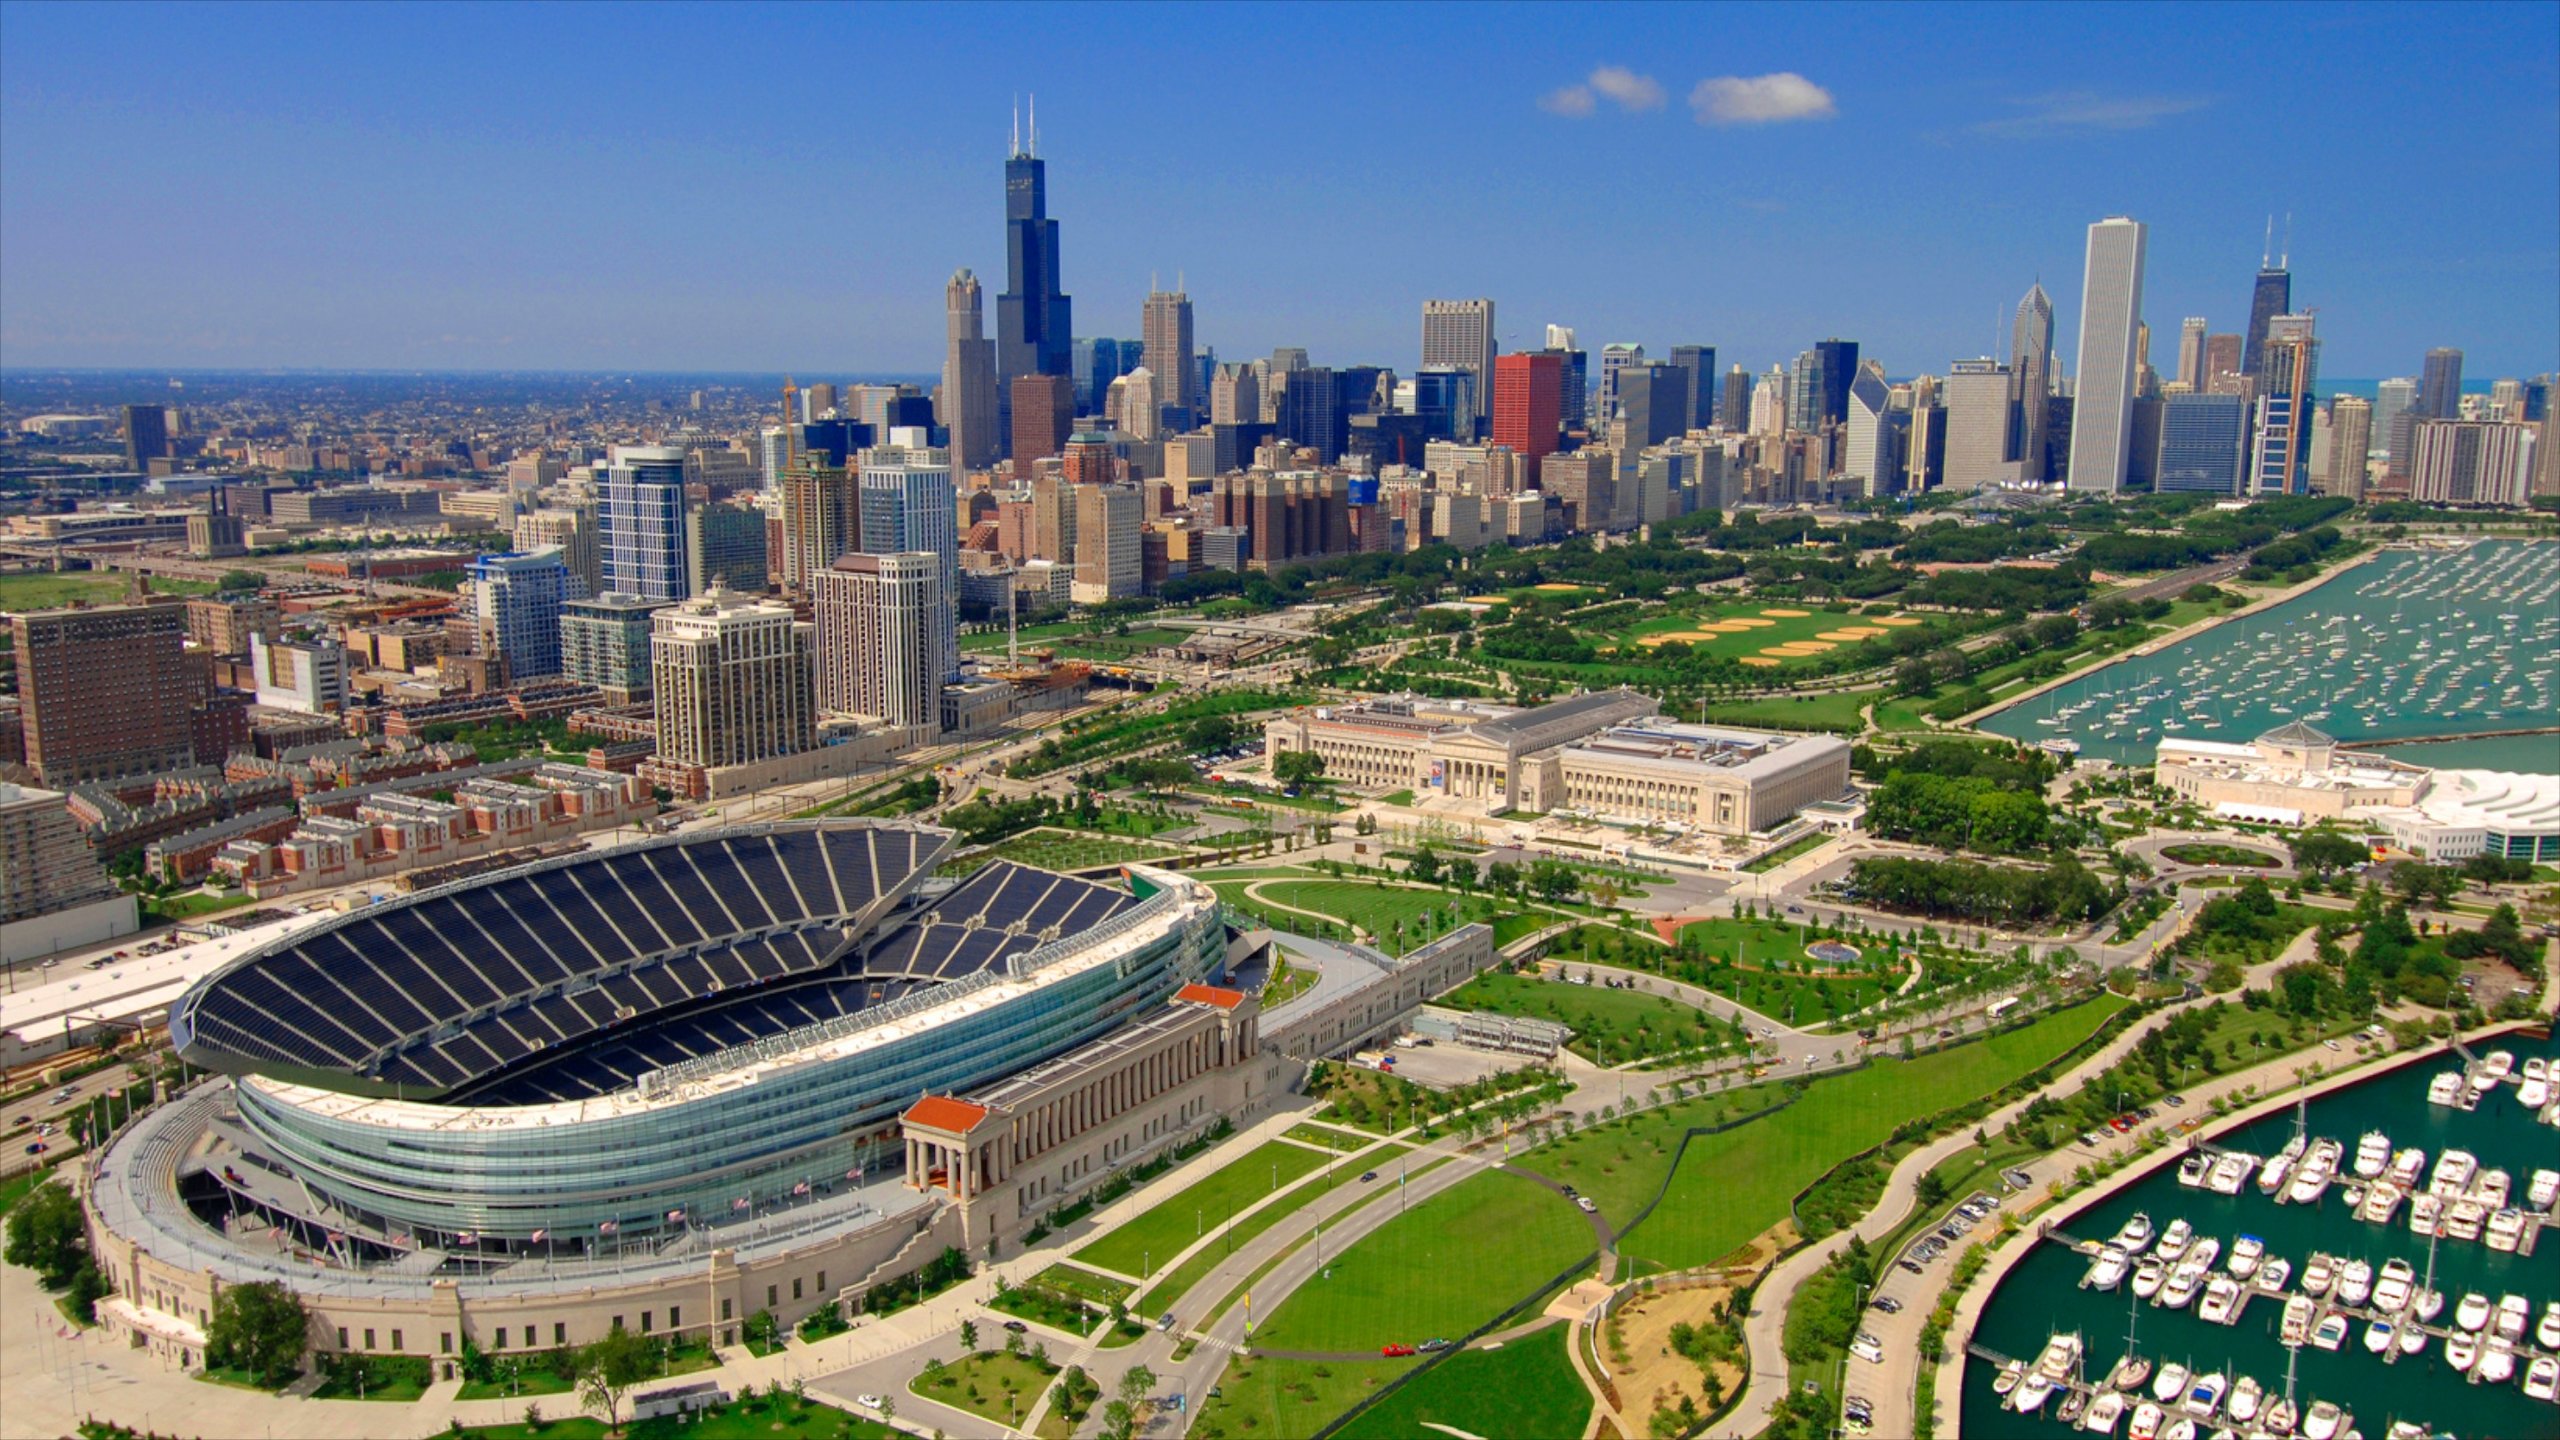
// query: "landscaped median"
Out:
[1154,1237]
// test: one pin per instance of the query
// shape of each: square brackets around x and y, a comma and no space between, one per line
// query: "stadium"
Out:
[600,1072]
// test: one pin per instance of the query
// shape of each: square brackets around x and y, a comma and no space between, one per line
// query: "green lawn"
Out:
[1263,1399]
[1051,849]
[1731,1186]
[1444,1267]
[1835,711]
[1610,1027]
[990,1384]
[45,590]
[2219,854]
[1526,1388]
[1620,1166]
[1397,918]
[1787,852]
[765,1418]
[169,910]
[1154,1238]
[1083,1284]
[1330,1138]
[1169,1291]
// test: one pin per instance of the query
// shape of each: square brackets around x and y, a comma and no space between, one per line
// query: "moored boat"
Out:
[2204,1397]
[2462,1350]
[2295,1327]
[2246,1396]
[2191,1171]
[2444,1087]
[2323,1421]
[2031,1394]
[2330,1333]
[2452,1175]
[2103,1413]
[2170,1383]
[2230,1173]
[2542,1378]
[2373,1152]
[2146,1422]
[2426,1215]
[2391,1292]
[2546,1332]
[2513,1313]
[2541,1190]
[2175,1240]
[2181,1290]
[2271,1175]
[2464,1219]
[2355,1283]
[2221,1300]
[2319,1274]
[2149,1276]
[2107,1271]
[2279,1417]
[2134,1236]
[2406,1166]
[2506,1229]
[2061,1356]
[2273,1274]
[2380,1336]
[2007,1378]
[2130,1372]
[2472,1312]
[2497,1363]
[2246,1252]
[2382,1202]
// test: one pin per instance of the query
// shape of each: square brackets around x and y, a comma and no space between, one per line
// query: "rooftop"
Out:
[947,1113]
[1219,996]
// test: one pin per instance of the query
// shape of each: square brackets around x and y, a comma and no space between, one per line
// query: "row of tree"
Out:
[2063,891]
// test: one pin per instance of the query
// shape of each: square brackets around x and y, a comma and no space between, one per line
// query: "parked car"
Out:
[1368,1175]
[1393,1352]
[2173,1101]
[1017,1327]
[1434,1343]
[1888,1304]
[867,1401]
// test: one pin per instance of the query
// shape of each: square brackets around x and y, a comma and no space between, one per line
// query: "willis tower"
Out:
[1033,333]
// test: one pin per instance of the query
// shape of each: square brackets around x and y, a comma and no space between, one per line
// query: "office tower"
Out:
[1108,557]
[1044,414]
[1528,406]
[821,519]
[2286,374]
[1654,399]
[516,600]
[1924,461]
[1733,405]
[1459,333]
[1613,358]
[1869,459]
[724,545]
[104,690]
[2506,400]
[1838,362]
[2110,308]
[1444,398]
[1697,366]
[2030,381]
[1977,445]
[2191,371]
[306,676]
[573,532]
[1235,396]
[909,506]
[968,376]
[604,642]
[2395,402]
[2537,397]
[1167,323]
[1769,408]
[1804,392]
[46,863]
[818,402]
[1099,361]
[1034,333]
[879,622]
[146,435]
[1576,390]
[833,442]
[2221,359]
[2440,384]
[731,680]
[2204,444]
[643,522]
[2270,297]
[2471,462]
[1053,519]
[2350,442]
[1090,459]
[1310,412]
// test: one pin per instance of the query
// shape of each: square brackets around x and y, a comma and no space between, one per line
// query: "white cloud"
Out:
[1573,100]
[1631,90]
[1760,99]
[2073,112]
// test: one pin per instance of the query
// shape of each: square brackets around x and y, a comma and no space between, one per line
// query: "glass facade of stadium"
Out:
[516,1173]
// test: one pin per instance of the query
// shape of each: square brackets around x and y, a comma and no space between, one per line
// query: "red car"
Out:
[1393,1351]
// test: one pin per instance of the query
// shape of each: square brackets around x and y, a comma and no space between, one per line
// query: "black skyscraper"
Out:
[1839,364]
[1698,383]
[2272,297]
[1033,334]
[1654,399]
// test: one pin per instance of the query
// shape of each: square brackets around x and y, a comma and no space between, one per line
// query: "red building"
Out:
[1528,406]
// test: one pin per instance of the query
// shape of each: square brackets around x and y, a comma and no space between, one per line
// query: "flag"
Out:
[467,1237]
[404,1238]
[608,1227]
[676,1214]
[854,1173]
[540,1235]
[800,1189]
[337,1237]
[738,1204]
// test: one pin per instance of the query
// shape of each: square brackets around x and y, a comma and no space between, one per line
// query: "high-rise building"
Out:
[909,506]
[1977,447]
[1838,361]
[309,676]
[2350,442]
[643,522]
[1137,408]
[516,599]
[818,402]
[1528,406]
[1654,399]
[1869,457]
[2110,309]
[1109,519]
[1613,358]
[1460,333]
[1804,392]
[2191,354]
[1311,411]
[969,402]
[1235,396]
[1444,398]
[1034,329]
[46,863]
[1769,405]
[2270,297]
[725,546]
[2204,442]
[2440,384]
[2472,462]
[146,435]
[732,681]
[1044,414]
[1733,404]
[821,519]
[104,690]
[604,642]
[878,622]
[2030,381]
[1169,351]
[1576,373]
[2286,375]
[2222,365]
[1697,366]
[572,532]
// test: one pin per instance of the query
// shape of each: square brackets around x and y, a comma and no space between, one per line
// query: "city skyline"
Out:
[512,274]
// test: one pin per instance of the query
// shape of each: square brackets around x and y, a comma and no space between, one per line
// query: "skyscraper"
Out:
[604,642]
[1460,333]
[2110,309]
[2477,462]
[643,522]
[1310,411]
[2221,360]
[146,435]
[1839,364]
[909,506]
[2350,443]
[969,377]
[724,545]
[879,619]
[1613,358]
[2286,374]
[1109,557]
[1528,406]
[731,680]
[1169,354]
[2030,381]
[1697,364]
[2270,297]
[1977,402]
[1577,370]
[516,599]
[1870,457]
[1733,403]
[1044,414]
[2204,440]
[1804,392]
[1034,330]
[2191,354]
[105,690]
[2440,384]
[1235,397]
[1444,398]
[1654,399]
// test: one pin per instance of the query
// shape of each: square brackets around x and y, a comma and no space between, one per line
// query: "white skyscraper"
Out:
[1769,403]
[909,506]
[878,622]
[1870,439]
[2031,382]
[1460,333]
[1977,397]
[2110,313]
[968,379]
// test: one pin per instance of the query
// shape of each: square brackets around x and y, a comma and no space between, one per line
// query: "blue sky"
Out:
[666,187]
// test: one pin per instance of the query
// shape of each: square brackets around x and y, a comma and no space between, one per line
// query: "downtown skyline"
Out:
[1809,192]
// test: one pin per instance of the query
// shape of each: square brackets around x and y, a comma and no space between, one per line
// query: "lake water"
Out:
[2042,1296]
[2409,644]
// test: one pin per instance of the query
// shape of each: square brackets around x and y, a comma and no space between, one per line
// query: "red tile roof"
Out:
[1210,995]
[942,1112]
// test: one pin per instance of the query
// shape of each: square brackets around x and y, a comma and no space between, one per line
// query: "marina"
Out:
[2296,1303]
[2412,644]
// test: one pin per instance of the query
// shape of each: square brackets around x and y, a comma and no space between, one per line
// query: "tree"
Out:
[240,580]
[1136,1383]
[46,1235]
[610,1367]
[969,1335]
[260,1328]
[1295,768]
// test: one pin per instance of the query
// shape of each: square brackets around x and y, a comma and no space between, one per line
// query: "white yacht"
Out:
[2413,1339]
[2061,1356]
[2146,1422]
[2426,1215]
[2175,1240]
[2331,1332]
[2323,1421]
[2541,1190]
[2399,1280]
[2192,1170]
[2295,1327]
[2463,1219]
[2492,1187]
[2205,1396]
[2506,1229]
[2373,1152]
[2498,1064]
[2406,1166]
[2273,1275]
[2382,1202]
[2271,1175]
[2103,1413]
[2514,1312]
[2246,1252]
[2453,1172]
[2134,1236]
[2170,1383]
[2444,1088]
[2534,1094]
[2380,1336]
[2537,1068]
[2108,1270]
[2462,1350]
[2031,1394]
[2247,1395]
[2497,1363]
[2355,1283]
[2183,1284]
[2546,1332]
[2279,1419]
[2007,1378]
[2319,1275]
[2542,1379]
[2221,1300]
[2472,1312]
[2309,1183]
[2204,1252]
[2148,1276]
[2230,1173]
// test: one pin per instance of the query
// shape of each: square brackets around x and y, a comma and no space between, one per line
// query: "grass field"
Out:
[1787,852]
[1051,849]
[1155,1237]
[1330,1138]
[1730,1187]
[1836,711]
[1610,1026]
[989,1384]
[45,590]
[1528,1387]
[1395,917]
[1282,1399]
[1442,1268]
[765,1418]
[1169,1291]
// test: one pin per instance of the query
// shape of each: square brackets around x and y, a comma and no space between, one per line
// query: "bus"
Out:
[2000,1008]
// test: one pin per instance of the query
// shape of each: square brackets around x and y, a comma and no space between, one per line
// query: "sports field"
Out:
[1527,1387]
[1155,1237]
[45,590]
[1766,636]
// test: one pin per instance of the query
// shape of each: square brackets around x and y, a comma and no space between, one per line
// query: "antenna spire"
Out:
[1035,124]
[2268,250]
[2287,261]
[1017,127]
